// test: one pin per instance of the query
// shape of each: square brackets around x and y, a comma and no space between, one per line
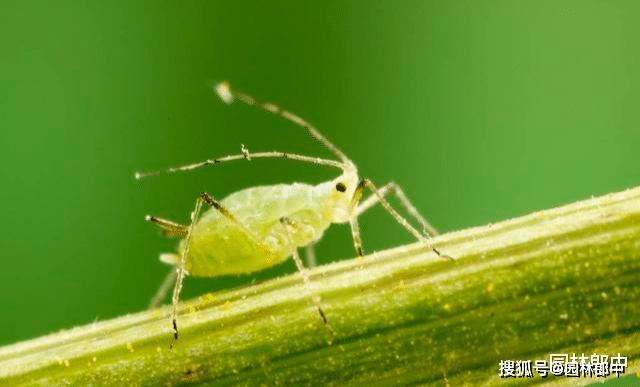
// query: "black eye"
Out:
[341,187]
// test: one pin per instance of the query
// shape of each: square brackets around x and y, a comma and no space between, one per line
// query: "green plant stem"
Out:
[558,281]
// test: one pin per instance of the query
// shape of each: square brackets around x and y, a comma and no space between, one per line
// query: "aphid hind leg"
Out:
[290,225]
[424,238]
[203,198]
[164,288]
[392,187]
[181,269]
[172,230]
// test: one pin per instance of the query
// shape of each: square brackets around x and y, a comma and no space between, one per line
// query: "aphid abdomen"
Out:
[220,247]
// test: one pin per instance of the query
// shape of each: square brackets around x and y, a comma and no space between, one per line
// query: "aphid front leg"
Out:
[291,226]
[392,187]
[353,221]
[426,238]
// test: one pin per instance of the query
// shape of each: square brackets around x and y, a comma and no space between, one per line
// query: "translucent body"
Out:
[219,246]
[259,227]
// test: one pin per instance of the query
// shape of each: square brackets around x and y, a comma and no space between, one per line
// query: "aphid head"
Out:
[338,194]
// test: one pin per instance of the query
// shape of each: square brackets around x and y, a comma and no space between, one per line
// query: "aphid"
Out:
[259,227]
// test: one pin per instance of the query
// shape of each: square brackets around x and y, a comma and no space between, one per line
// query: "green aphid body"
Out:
[219,246]
[259,227]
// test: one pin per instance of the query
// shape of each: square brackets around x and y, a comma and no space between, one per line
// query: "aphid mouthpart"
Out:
[259,227]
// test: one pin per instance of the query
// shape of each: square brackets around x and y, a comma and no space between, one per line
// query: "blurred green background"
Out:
[480,110]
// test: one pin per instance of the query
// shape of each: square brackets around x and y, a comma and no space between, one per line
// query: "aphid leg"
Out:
[353,222]
[169,228]
[164,288]
[392,187]
[426,239]
[310,255]
[203,198]
[314,297]
[181,269]
[290,225]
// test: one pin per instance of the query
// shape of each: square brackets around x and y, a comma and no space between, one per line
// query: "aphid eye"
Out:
[341,187]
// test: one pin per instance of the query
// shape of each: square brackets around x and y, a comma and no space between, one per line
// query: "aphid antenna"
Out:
[228,95]
[246,155]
